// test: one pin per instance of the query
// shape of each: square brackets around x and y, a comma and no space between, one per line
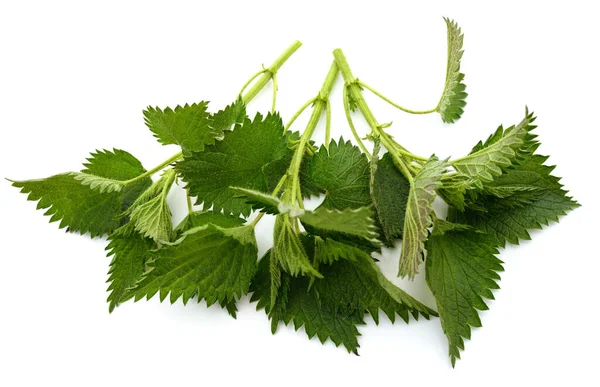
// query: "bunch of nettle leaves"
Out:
[320,273]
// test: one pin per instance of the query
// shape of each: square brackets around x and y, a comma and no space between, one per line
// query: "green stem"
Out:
[275,87]
[159,167]
[327,123]
[354,89]
[189,201]
[320,104]
[252,78]
[402,150]
[257,219]
[351,125]
[169,176]
[299,112]
[267,74]
[372,90]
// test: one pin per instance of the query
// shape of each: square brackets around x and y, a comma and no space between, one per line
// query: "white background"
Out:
[75,78]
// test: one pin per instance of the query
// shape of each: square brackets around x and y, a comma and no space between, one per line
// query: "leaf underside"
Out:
[501,150]
[418,216]
[452,102]
[536,198]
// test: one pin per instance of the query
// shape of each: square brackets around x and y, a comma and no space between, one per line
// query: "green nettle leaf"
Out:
[419,214]
[320,273]
[452,102]
[329,251]
[352,279]
[211,262]
[332,307]
[151,214]
[99,183]
[255,155]
[288,250]
[456,189]
[81,208]
[296,303]
[389,191]
[232,114]
[355,222]
[130,251]
[537,199]
[499,151]
[461,270]
[341,172]
[262,201]
[200,218]
[188,126]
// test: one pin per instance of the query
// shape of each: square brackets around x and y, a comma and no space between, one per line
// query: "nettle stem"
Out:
[397,106]
[158,168]
[353,87]
[319,105]
[268,74]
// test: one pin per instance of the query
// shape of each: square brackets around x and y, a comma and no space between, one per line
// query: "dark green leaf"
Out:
[509,219]
[188,126]
[352,279]
[296,303]
[210,262]
[255,155]
[81,208]
[389,191]
[130,251]
[342,172]
[461,270]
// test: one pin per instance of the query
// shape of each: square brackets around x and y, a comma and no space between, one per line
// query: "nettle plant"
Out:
[320,272]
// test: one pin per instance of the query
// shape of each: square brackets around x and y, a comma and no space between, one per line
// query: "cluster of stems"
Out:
[408,163]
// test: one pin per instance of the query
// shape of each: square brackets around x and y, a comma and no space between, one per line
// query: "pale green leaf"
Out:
[201,218]
[261,201]
[287,249]
[499,152]
[98,183]
[151,214]
[452,102]
[538,200]
[418,217]
[357,222]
